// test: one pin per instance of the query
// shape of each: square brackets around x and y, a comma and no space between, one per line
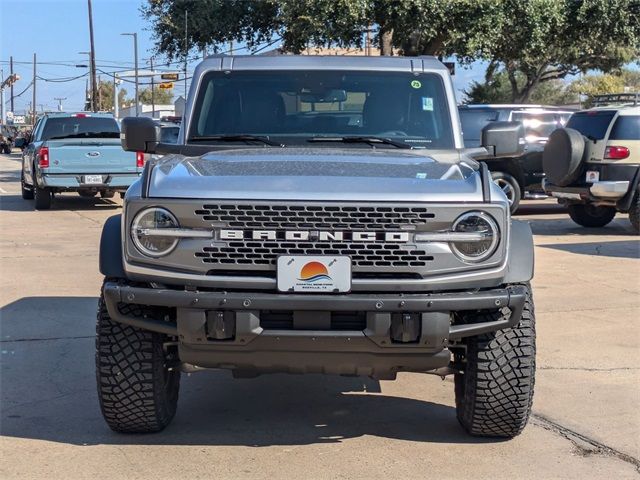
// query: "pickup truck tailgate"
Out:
[100,155]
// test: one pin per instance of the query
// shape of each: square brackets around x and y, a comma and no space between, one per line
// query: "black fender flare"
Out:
[111,264]
[521,253]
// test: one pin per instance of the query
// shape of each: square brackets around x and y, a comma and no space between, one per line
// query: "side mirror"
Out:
[139,134]
[20,142]
[503,139]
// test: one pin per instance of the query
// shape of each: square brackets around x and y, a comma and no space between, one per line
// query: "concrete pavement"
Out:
[585,425]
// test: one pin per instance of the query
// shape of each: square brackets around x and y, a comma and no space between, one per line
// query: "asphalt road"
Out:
[586,421]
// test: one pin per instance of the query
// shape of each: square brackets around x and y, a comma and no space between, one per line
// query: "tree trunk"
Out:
[386,41]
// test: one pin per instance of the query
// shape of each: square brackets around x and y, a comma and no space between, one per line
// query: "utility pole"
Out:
[11,72]
[116,106]
[153,92]
[1,96]
[186,49]
[135,59]
[33,101]
[60,99]
[94,86]
[367,50]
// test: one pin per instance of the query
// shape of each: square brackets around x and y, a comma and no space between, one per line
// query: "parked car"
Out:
[593,165]
[519,176]
[77,152]
[319,215]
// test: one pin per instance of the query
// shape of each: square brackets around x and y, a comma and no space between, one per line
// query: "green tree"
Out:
[435,27]
[161,97]
[546,40]
[105,96]
[591,85]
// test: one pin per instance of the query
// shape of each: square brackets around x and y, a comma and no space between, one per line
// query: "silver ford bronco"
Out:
[317,215]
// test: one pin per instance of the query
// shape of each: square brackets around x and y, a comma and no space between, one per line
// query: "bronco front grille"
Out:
[315,217]
[329,217]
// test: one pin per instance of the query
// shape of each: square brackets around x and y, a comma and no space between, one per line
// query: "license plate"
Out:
[92,179]
[314,273]
[592,176]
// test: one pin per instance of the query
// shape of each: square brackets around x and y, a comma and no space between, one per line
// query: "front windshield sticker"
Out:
[427,104]
[416,83]
[421,175]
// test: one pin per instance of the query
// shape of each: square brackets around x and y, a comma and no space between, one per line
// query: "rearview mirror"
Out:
[139,134]
[503,139]
[328,96]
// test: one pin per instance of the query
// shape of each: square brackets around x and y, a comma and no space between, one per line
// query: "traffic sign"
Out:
[165,86]
[169,76]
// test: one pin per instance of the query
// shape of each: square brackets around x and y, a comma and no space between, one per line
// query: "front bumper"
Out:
[369,351]
[73,182]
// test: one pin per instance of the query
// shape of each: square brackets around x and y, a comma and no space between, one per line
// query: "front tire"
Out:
[510,186]
[590,215]
[137,389]
[495,391]
[42,197]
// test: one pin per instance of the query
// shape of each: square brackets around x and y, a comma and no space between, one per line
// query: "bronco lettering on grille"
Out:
[305,235]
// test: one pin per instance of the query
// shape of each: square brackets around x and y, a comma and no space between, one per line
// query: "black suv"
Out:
[523,174]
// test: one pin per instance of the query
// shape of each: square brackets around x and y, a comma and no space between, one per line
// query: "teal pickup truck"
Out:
[76,152]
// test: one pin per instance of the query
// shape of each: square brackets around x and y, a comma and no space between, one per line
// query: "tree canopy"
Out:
[532,41]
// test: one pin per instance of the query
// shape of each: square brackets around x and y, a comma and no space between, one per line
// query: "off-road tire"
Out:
[634,213]
[42,197]
[138,392]
[27,193]
[506,181]
[495,391]
[107,194]
[590,215]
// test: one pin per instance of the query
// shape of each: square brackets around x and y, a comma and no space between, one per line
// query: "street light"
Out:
[135,57]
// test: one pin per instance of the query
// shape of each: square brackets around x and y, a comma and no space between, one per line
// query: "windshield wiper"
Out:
[88,135]
[237,138]
[368,139]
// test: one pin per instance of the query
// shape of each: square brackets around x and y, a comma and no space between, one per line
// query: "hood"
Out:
[318,174]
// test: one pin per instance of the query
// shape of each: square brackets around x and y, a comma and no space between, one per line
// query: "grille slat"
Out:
[345,218]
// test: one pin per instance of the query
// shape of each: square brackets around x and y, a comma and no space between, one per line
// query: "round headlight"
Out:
[147,235]
[482,239]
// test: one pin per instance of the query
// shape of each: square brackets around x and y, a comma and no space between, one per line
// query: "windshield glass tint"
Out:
[626,128]
[80,127]
[294,106]
[592,125]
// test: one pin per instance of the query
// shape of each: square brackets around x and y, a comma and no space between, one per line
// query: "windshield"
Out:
[295,106]
[80,127]
[593,124]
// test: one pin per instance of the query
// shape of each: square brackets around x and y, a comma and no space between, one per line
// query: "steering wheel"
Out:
[398,133]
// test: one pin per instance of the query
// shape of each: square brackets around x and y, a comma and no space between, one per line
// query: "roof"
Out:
[517,106]
[622,109]
[322,62]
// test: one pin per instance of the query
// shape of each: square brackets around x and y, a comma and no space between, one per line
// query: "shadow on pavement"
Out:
[15,203]
[617,249]
[49,394]
[566,227]
[545,208]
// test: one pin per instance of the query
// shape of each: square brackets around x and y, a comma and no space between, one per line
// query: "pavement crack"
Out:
[584,445]
[48,339]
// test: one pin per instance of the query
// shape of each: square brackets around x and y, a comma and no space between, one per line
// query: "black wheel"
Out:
[509,185]
[495,392]
[634,213]
[107,193]
[87,193]
[137,389]
[42,196]
[27,192]
[590,215]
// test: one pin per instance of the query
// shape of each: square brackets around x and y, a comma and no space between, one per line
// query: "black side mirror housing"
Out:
[20,142]
[139,134]
[503,139]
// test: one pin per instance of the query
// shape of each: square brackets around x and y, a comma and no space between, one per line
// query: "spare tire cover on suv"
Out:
[562,156]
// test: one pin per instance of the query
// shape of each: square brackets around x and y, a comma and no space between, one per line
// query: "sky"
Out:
[56,30]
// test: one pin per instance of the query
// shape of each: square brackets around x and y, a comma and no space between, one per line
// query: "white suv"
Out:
[593,165]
